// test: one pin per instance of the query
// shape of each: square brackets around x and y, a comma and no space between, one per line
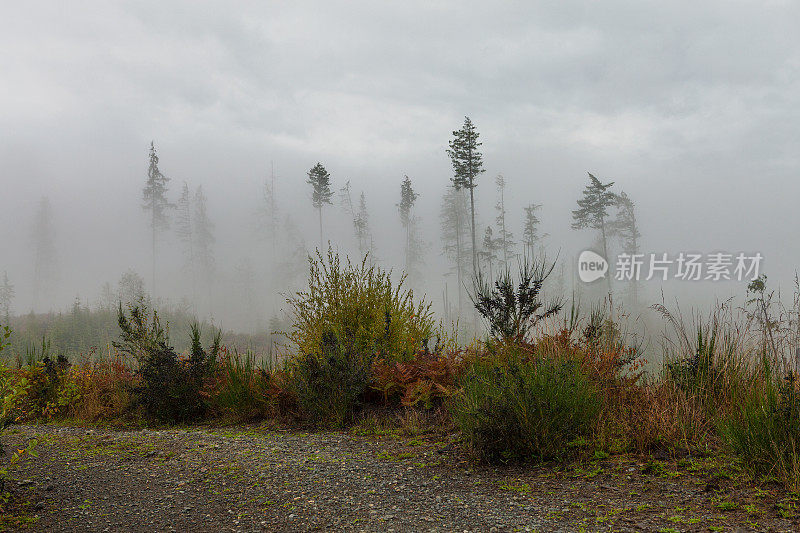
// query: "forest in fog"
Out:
[698,148]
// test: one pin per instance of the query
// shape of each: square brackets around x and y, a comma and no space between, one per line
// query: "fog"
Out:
[692,109]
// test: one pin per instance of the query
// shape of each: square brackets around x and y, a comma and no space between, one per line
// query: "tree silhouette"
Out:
[505,237]
[453,212]
[361,224]
[467,166]
[204,241]
[592,211]
[407,199]
[6,296]
[155,200]
[491,246]
[530,231]
[625,227]
[320,181]
[184,227]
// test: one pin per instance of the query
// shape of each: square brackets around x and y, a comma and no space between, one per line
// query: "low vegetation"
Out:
[547,385]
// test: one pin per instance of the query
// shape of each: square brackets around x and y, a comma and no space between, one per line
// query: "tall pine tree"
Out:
[184,227]
[505,237]
[156,204]
[204,242]
[491,246]
[363,234]
[407,199]
[467,166]
[592,212]
[320,182]
[6,296]
[625,227]
[269,213]
[453,212]
[530,230]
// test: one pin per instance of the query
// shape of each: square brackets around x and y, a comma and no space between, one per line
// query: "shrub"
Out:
[170,388]
[350,315]
[329,385]
[512,307]
[525,409]
[361,308]
[765,431]
[105,388]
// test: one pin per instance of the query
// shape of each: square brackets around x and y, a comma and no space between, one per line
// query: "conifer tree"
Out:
[416,250]
[154,196]
[185,229]
[530,230]
[491,246]
[320,182]
[269,212]
[454,211]
[6,297]
[363,235]
[505,237]
[407,199]
[625,227]
[592,212]
[130,289]
[467,166]
[346,201]
[204,241]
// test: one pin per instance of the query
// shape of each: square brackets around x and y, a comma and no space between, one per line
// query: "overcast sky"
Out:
[693,108]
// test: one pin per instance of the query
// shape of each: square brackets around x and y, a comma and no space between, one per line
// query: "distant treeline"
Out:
[91,332]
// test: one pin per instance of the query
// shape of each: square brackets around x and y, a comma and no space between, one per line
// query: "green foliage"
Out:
[244,386]
[351,314]
[525,409]
[12,391]
[320,181]
[154,194]
[513,306]
[593,206]
[765,432]
[720,369]
[170,389]
[464,155]
[81,331]
[698,373]
[359,307]
[329,384]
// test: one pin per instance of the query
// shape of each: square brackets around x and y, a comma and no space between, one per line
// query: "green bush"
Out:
[329,385]
[170,389]
[350,315]
[361,307]
[765,432]
[525,410]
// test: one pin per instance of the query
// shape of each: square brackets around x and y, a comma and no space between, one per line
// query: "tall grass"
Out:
[524,409]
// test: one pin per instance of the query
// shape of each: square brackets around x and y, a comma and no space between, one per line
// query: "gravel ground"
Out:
[257,479]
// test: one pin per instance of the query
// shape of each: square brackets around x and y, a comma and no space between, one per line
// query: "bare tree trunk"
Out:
[605,253]
[154,256]
[320,230]
[474,248]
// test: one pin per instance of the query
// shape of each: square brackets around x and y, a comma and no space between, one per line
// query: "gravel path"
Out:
[257,479]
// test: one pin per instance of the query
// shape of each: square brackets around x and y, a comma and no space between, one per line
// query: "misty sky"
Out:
[693,108]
